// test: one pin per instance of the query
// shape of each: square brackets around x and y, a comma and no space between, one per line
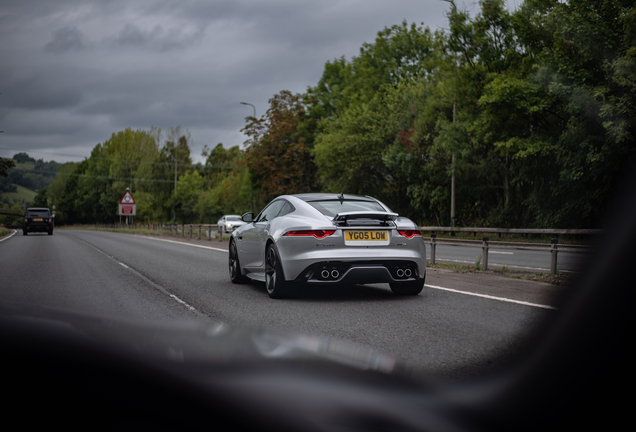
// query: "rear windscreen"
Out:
[37,213]
[333,207]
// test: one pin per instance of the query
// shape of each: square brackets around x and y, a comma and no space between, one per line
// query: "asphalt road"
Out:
[456,324]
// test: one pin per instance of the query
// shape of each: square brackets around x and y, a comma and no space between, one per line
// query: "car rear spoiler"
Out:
[364,218]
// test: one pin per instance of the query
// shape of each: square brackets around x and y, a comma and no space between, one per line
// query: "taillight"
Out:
[410,233]
[319,234]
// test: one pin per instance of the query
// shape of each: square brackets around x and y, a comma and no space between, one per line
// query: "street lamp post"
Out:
[253,107]
[252,198]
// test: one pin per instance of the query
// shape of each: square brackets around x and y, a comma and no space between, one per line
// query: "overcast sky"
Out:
[73,72]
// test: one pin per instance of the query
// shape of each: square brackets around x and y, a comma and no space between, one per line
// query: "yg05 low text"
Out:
[365,235]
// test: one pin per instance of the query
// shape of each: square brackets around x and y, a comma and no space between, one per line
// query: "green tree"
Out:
[57,187]
[187,196]
[278,153]
[5,164]
[22,157]
[399,52]
[40,199]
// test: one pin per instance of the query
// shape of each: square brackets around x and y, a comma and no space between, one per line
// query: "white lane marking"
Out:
[504,253]
[148,281]
[491,297]
[182,243]
[8,236]
[178,300]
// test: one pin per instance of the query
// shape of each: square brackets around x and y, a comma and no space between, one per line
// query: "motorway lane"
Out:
[140,277]
[64,271]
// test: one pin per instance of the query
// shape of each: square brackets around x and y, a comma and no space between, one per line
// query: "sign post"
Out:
[127,205]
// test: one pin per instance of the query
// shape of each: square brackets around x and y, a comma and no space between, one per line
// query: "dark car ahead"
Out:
[37,220]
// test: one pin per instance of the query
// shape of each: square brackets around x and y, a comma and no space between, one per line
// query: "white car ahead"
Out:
[229,223]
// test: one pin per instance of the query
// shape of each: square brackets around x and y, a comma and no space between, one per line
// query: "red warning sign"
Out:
[127,205]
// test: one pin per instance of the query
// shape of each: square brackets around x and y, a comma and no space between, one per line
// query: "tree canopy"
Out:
[533,110]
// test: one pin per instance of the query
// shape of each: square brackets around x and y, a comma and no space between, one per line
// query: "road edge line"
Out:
[503,299]
[8,236]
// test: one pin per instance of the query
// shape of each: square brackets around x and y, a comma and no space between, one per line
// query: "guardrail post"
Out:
[484,253]
[220,234]
[554,251]
[199,232]
[182,230]
[209,232]
[433,245]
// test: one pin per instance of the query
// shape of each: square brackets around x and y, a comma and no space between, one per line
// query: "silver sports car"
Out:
[327,239]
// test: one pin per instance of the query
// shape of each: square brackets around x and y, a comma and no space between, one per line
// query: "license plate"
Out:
[37,220]
[366,238]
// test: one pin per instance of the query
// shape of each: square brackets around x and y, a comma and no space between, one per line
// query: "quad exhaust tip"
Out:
[404,273]
[326,274]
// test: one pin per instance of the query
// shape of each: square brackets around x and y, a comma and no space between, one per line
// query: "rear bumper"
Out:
[300,255]
[37,228]
[364,272]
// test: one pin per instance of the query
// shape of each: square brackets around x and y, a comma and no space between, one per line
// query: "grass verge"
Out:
[557,279]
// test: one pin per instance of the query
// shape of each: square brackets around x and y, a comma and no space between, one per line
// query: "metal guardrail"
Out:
[485,244]
[173,228]
[525,231]
[553,247]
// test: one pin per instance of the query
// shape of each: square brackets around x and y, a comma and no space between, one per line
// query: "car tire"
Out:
[277,287]
[25,232]
[234,265]
[408,288]
[50,232]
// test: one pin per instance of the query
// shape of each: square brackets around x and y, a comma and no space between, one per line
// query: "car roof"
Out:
[38,208]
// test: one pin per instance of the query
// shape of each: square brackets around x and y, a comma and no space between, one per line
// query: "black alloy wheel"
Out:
[234,265]
[274,281]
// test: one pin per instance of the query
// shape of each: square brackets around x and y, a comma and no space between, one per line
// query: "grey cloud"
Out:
[130,35]
[164,63]
[66,39]
[158,37]
[37,91]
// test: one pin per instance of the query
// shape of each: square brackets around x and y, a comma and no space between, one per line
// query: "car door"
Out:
[252,241]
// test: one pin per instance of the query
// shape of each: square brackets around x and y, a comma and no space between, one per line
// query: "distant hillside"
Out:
[29,173]
[25,179]
[20,194]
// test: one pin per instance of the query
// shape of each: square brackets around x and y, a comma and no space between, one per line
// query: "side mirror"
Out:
[247,217]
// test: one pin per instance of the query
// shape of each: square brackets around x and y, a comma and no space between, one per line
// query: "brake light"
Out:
[410,233]
[319,234]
